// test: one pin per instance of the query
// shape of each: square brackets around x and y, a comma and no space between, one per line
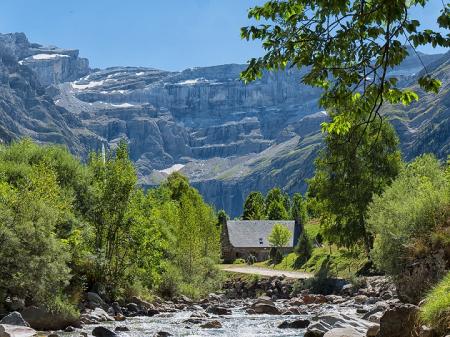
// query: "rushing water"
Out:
[239,324]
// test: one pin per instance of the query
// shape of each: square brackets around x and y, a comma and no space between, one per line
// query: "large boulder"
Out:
[14,318]
[261,308]
[101,331]
[7,330]
[398,321]
[296,324]
[323,323]
[95,316]
[95,301]
[417,278]
[264,305]
[344,332]
[216,310]
[41,319]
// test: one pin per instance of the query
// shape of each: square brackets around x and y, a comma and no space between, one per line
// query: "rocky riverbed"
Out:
[372,309]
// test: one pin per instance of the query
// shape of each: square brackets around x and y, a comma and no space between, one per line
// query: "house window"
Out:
[261,242]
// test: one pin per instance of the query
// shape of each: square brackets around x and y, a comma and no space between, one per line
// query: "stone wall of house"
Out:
[227,249]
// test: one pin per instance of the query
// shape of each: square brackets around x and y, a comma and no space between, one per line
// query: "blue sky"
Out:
[165,34]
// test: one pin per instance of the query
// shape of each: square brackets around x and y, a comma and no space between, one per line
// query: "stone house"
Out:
[242,238]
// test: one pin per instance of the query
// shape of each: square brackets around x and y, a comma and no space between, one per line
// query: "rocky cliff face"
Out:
[26,109]
[229,138]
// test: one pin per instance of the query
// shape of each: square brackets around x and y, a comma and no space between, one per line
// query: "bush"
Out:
[61,307]
[435,312]
[239,261]
[171,280]
[404,217]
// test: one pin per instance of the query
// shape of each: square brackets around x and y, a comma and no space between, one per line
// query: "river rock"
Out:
[117,309]
[261,308]
[216,310]
[121,329]
[398,321]
[101,331]
[162,334]
[14,318]
[7,330]
[326,322]
[95,301]
[211,325]
[343,332]
[95,316]
[316,299]
[41,319]
[297,324]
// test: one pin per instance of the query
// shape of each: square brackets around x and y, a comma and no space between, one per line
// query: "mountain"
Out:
[227,137]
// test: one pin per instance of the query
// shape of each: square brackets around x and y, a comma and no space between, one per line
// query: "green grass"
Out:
[344,262]
[436,310]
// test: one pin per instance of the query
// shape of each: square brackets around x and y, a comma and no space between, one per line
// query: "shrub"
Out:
[435,312]
[171,279]
[239,261]
[407,213]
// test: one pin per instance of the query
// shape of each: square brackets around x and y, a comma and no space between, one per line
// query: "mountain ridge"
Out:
[227,137]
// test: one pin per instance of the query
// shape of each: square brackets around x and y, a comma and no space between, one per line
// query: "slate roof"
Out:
[255,233]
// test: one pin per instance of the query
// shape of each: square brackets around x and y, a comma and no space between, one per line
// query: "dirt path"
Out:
[245,269]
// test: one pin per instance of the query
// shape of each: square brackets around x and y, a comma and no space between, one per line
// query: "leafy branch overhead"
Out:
[347,48]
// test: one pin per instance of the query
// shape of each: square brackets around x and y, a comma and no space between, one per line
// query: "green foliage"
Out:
[239,261]
[33,259]
[276,196]
[66,227]
[254,208]
[435,312]
[349,171]
[277,211]
[407,214]
[346,49]
[280,235]
[299,209]
[303,249]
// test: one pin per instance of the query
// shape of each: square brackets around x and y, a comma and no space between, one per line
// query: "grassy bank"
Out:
[343,262]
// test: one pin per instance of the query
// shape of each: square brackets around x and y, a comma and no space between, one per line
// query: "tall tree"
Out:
[276,195]
[346,48]
[254,208]
[345,181]
[298,209]
[114,184]
[277,211]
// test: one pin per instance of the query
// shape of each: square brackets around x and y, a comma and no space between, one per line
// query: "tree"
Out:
[254,208]
[303,249]
[113,187]
[346,48]
[277,195]
[345,182]
[280,235]
[277,211]
[33,261]
[298,209]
